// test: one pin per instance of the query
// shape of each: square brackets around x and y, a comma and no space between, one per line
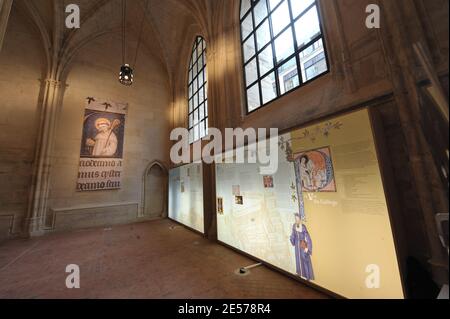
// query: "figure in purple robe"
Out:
[301,240]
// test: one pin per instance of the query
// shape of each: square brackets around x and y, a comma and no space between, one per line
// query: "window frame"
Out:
[316,61]
[271,42]
[199,41]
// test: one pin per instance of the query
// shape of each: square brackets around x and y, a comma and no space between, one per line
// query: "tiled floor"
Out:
[147,260]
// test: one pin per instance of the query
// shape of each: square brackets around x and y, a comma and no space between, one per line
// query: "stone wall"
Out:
[92,72]
[22,69]
[376,67]
[365,66]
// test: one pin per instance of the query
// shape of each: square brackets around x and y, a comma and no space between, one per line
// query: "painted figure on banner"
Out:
[301,240]
[103,135]
[105,142]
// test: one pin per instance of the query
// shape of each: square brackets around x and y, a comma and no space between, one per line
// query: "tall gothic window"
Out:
[282,47]
[198,92]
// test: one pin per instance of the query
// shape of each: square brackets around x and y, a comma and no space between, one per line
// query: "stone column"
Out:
[397,39]
[5,10]
[52,96]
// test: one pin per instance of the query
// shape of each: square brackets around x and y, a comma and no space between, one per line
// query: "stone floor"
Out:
[147,260]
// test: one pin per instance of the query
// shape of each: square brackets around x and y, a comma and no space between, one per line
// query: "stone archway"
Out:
[154,191]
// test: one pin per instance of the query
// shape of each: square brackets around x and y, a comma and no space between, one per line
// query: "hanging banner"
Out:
[101,154]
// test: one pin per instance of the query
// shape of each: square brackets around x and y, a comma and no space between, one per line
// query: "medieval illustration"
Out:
[301,240]
[103,134]
[316,171]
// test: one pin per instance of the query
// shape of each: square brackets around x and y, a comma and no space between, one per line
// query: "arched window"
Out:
[282,47]
[198,92]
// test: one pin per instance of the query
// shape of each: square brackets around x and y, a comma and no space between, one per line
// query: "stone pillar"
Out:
[37,210]
[397,39]
[5,10]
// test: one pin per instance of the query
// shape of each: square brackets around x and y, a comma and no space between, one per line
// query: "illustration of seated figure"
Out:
[321,178]
[105,142]
[306,171]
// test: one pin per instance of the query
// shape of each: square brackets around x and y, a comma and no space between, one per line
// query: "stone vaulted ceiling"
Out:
[169,23]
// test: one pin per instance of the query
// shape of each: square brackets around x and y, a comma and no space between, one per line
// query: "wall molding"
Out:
[80,207]
[92,216]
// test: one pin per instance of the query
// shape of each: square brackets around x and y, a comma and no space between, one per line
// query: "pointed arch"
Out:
[29,9]
[147,171]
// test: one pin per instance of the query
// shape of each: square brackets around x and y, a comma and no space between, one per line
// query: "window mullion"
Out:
[303,12]
[296,48]
[324,45]
[274,53]
[258,81]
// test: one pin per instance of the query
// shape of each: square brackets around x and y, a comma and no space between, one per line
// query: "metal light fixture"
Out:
[126,72]
[126,75]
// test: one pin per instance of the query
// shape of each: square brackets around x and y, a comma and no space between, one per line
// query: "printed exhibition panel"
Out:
[322,216]
[186,196]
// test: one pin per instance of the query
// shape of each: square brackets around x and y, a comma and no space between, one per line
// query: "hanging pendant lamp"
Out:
[126,76]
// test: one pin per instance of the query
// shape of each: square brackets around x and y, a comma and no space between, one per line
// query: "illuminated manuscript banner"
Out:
[101,154]
[322,216]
